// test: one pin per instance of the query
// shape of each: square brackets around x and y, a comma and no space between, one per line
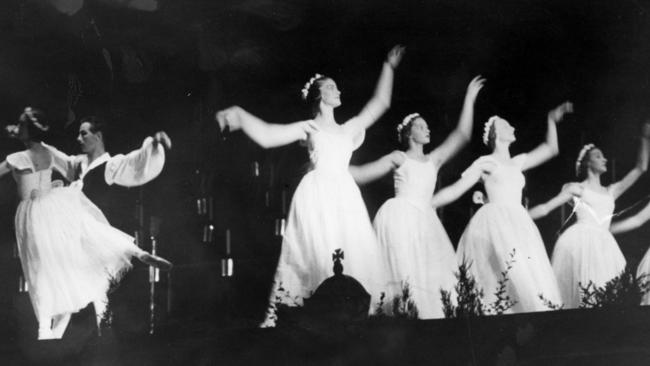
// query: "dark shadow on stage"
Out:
[566,337]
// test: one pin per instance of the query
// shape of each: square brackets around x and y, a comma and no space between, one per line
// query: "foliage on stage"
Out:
[503,301]
[282,302]
[470,297]
[550,304]
[625,290]
[379,308]
[403,305]
[284,297]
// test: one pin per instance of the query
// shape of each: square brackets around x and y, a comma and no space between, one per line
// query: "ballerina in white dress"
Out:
[587,252]
[629,224]
[412,239]
[501,232]
[327,211]
[68,251]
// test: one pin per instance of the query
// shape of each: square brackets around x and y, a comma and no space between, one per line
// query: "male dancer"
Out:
[102,178]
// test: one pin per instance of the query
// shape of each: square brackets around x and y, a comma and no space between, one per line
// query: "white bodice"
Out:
[33,184]
[415,180]
[330,151]
[30,182]
[504,182]
[594,208]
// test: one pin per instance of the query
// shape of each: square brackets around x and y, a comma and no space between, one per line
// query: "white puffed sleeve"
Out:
[137,167]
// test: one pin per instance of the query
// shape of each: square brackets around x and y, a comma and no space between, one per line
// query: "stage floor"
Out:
[567,337]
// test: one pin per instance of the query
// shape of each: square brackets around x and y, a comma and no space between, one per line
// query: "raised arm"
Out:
[470,177]
[569,191]
[633,175]
[68,165]
[452,192]
[460,136]
[549,148]
[381,99]
[267,135]
[632,222]
[369,172]
[139,166]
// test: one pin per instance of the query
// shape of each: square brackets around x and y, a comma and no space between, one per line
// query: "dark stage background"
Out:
[172,68]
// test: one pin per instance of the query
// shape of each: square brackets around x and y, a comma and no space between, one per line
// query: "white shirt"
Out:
[133,169]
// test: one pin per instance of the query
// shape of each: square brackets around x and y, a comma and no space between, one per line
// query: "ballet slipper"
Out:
[155,261]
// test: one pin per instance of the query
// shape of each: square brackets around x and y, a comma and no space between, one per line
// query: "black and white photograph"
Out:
[326,182]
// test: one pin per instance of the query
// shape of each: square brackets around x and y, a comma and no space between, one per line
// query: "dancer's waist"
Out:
[418,200]
[35,193]
[593,223]
[508,203]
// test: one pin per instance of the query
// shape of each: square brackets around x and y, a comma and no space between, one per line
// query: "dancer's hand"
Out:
[479,198]
[12,130]
[395,56]
[475,86]
[558,113]
[229,117]
[161,138]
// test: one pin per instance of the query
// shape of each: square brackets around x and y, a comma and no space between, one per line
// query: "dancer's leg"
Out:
[155,261]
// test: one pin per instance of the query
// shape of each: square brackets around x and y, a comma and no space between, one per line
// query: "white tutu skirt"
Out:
[585,253]
[418,252]
[326,213]
[68,251]
[495,233]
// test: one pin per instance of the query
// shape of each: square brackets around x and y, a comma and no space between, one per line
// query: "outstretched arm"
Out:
[463,132]
[472,175]
[632,222]
[549,148]
[265,134]
[369,172]
[381,99]
[451,193]
[68,165]
[569,191]
[630,178]
[139,166]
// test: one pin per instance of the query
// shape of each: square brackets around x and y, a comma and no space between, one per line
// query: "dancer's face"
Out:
[23,132]
[420,131]
[329,93]
[504,131]
[88,140]
[596,161]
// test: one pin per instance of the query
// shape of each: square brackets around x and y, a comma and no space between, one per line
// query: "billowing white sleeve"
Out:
[137,167]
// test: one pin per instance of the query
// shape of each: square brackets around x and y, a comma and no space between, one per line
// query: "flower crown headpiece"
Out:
[408,119]
[305,89]
[581,156]
[487,127]
[29,112]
